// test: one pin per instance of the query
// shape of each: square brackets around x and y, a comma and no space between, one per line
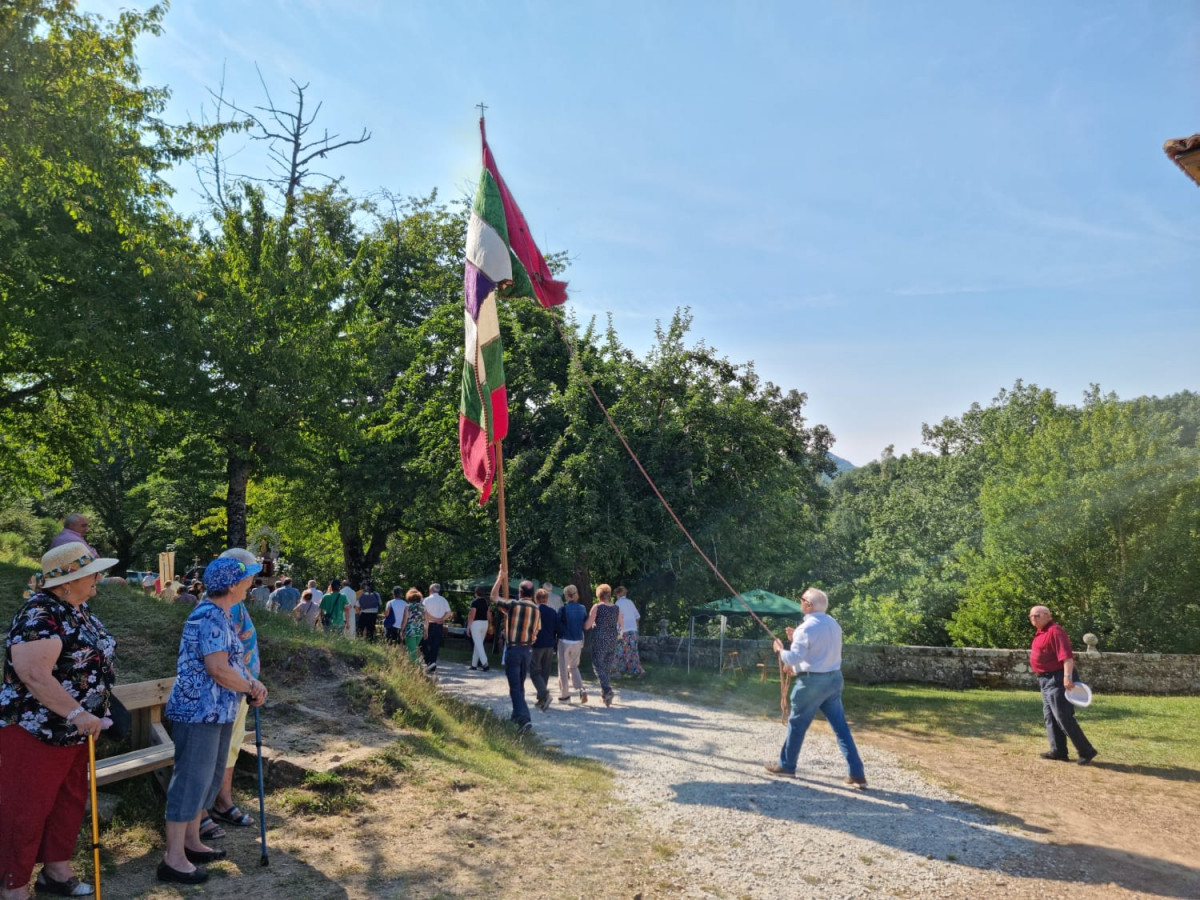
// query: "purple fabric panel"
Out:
[476,287]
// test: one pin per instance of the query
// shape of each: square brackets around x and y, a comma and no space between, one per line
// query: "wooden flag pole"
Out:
[503,523]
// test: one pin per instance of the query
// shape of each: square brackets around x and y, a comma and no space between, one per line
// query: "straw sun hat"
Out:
[67,562]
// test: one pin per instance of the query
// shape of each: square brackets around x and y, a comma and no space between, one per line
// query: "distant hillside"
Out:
[843,465]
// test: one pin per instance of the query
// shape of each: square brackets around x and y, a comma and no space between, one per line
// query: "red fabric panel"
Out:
[478,456]
[549,292]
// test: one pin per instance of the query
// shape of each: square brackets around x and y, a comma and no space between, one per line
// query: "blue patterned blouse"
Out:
[196,697]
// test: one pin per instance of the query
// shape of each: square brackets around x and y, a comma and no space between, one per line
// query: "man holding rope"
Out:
[816,658]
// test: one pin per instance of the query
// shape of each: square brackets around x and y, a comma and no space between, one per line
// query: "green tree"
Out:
[89,268]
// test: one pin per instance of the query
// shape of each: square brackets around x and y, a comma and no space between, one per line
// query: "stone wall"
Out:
[955,667]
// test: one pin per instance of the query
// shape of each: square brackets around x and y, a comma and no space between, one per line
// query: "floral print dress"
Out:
[84,667]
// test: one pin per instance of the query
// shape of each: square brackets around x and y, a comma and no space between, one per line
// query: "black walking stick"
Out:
[262,801]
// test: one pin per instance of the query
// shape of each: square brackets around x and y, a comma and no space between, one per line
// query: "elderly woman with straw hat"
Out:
[210,681]
[58,672]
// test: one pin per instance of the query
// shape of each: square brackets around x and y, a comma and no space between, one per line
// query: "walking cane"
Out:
[95,811]
[262,802]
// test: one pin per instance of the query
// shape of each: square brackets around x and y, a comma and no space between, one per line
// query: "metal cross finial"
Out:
[481,107]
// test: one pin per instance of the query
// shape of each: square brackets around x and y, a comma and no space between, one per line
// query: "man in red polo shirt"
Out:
[1054,664]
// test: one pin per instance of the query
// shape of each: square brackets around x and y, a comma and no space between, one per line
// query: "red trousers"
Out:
[43,795]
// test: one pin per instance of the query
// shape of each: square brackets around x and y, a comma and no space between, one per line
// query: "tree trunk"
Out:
[581,577]
[360,563]
[238,471]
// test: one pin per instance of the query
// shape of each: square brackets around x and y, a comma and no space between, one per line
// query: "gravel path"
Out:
[697,774]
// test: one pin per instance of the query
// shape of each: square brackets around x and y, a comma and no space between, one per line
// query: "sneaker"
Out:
[776,769]
[486,668]
[564,699]
[544,703]
[525,729]
[474,668]
[583,696]
[1059,757]
[860,783]
[1084,760]
[608,698]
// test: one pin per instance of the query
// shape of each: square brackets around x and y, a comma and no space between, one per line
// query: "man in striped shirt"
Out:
[521,624]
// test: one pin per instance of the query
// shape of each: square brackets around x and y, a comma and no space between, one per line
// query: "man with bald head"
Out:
[1054,664]
[815,658]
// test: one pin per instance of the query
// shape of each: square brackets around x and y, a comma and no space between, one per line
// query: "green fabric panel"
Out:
[490,207]
[469,404]
[493,364]
[521,286]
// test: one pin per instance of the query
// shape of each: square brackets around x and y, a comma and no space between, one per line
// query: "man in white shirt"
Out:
[628,661]
[816,659]
[317,593]
[437,613]
[351,609]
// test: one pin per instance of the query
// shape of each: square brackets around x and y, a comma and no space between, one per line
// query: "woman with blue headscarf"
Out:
[211,679]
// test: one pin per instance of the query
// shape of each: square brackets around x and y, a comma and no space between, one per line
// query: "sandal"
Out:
[232,816]
[72,887]
[210,830]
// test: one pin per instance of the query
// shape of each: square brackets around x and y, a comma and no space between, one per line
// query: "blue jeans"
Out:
[1060,717]
[819,691]
[516,667]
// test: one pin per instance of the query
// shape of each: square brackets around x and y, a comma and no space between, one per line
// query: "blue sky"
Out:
[897,208]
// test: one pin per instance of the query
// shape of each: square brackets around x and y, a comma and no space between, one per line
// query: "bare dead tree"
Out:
[290,149]
[287,136]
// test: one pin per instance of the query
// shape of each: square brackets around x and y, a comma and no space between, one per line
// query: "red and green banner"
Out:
[502,260]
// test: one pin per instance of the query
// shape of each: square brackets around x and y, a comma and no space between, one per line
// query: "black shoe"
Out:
[486,668]
[72,887]
[196,876]
[200,857]
[564,699]
[1084,760]
[474,668]
[1058,757]
[525,728]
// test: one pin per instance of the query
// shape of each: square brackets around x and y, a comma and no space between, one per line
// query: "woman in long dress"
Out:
[604,621]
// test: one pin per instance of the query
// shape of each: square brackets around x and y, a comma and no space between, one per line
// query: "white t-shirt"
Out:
[437,606]
[317,595]
[351,608]
[629,615]
[396,607]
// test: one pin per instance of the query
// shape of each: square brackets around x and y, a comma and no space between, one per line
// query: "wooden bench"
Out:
[153,749]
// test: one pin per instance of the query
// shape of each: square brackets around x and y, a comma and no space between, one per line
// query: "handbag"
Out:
[122,721]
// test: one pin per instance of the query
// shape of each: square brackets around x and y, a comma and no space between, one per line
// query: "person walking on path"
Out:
[542,656]
[306,610]
[413,624]
[437,613]
[368,606]
[605,623]
[521,624]
[1052,661]
[351,596]
[393,617]
[333,608]
[628,663]
[570,645]
[477,626]
[815,658]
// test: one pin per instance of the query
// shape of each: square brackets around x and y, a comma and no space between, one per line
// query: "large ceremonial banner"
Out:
[502,260]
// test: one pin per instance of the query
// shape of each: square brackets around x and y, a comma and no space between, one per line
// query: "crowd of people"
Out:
[59,673]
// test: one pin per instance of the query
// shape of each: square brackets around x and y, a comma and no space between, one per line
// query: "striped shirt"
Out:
[522,621]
